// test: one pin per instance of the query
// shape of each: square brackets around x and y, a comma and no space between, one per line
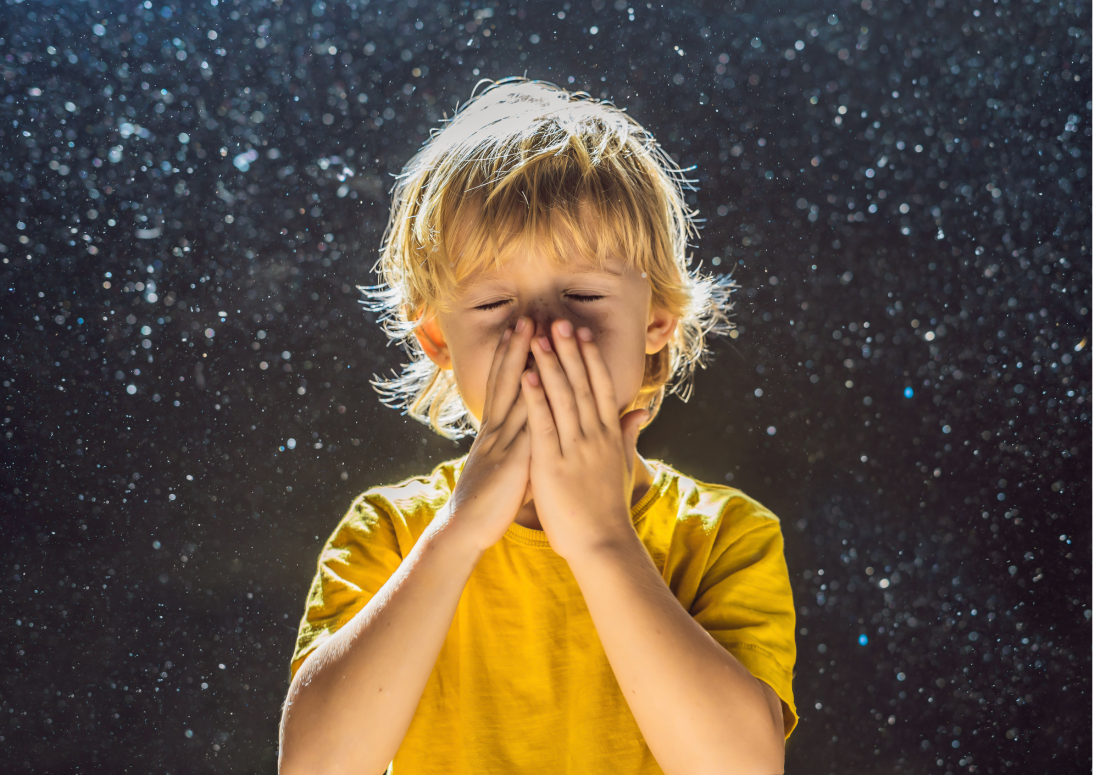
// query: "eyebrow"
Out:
[484,279]
[605,270]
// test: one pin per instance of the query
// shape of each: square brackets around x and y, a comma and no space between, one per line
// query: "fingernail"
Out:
[507,335]
[545,344]
[585,334]
[565,328]
[520,324]
[533,379]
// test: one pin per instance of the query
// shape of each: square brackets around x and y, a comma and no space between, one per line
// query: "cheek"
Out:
[471,363]
[624,355]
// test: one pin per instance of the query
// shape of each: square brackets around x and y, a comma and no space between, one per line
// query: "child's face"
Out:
[614,304]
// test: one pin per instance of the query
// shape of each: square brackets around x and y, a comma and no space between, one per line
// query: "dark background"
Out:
[904,195]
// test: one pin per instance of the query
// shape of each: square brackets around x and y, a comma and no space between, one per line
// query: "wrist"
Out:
[616,536]
[454,535]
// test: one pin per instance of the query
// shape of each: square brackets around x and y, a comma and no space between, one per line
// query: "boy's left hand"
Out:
[582,454]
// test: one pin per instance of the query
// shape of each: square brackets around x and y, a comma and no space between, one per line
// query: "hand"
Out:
[495,479]
[582,455]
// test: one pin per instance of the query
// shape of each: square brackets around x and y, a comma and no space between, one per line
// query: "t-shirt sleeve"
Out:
[357,559]
[745,600]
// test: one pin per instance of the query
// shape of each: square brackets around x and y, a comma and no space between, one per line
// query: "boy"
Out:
[551,602]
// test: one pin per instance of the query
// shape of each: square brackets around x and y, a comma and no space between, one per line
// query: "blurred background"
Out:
[192,191]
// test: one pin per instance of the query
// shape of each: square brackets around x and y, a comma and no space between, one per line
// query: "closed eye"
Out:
[502,302]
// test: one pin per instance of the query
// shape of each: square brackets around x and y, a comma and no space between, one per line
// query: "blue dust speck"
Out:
[908,392]
[863,640]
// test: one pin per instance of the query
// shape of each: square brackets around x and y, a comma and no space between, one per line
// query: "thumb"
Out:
[630,425]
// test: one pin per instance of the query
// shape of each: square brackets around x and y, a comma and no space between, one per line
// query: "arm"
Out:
[698,708]
[352,700]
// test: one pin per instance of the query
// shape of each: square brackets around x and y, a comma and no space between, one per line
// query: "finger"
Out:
[602,385]
[569,355]
[515,422]
[507,382]
[543,431]
[521,449]
[631,426]
[495,367]
[563,405]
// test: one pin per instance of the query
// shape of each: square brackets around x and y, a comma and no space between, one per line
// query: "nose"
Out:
[543,319]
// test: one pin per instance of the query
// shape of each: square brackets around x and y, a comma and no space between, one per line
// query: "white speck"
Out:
[131,389]
[291,443]
[243,161]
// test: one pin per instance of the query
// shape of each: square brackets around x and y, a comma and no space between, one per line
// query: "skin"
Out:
[614,305]
[699,709]
[549,426]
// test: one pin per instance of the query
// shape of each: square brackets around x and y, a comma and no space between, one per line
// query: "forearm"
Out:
[352,701]
[698,708]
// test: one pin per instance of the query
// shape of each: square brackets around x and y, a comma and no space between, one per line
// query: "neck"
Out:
[643,479]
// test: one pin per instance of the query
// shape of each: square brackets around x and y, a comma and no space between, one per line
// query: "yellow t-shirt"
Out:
[522,683]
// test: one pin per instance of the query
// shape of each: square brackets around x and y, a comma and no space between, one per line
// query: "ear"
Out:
[661,326]
[431,339]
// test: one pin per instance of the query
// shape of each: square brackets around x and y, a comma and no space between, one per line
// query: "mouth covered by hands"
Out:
[582,454]
[550,431]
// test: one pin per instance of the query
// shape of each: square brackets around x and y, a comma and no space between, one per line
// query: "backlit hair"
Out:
[526,161]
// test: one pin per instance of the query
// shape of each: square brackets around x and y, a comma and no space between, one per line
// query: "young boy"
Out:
[551,602]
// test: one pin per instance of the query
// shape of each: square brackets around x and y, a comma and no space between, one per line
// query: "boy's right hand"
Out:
[494,482]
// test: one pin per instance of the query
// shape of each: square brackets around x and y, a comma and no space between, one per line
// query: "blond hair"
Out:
[526,161]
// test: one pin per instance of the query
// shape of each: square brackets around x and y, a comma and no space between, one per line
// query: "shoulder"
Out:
[414,498]
[395,515]
[716,507]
